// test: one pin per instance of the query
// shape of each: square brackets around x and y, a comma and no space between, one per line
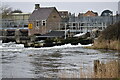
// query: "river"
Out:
[66,61]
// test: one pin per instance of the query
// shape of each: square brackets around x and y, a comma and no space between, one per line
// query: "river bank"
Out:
[109,38]
[106,44]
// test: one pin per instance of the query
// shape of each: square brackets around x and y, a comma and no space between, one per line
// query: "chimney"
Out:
[37,6]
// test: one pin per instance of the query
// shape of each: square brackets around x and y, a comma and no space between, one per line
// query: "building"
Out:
[43,20]
[64,15]
[89,21]
[16,20]
[21,19]
[90,13]
[72,17]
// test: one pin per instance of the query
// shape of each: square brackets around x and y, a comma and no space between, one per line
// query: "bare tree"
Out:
[6,11]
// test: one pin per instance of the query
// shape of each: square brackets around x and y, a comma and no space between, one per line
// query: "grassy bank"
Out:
[106,44]
[109,38]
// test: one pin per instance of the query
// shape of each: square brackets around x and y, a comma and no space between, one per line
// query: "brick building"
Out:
[44,20]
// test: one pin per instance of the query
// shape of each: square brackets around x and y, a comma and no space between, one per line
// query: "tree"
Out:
[112,32]
[6,11]
[107,13]
[17,11]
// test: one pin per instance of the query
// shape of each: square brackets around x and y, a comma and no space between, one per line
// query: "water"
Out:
[65,61]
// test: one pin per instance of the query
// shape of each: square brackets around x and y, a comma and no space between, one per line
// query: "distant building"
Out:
[44,20]
[21,19]
[64,15]
[80,14]
[89,21]
[90,13]
[71,17]
[16,20]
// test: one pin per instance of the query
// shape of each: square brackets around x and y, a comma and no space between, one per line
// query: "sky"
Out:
[71,6]
[60,0]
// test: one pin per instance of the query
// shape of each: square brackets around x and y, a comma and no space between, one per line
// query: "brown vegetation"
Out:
[107,70]
[109,38]
[101,70]
[106,44]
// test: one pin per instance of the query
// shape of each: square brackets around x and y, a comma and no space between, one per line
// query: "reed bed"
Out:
[102,70]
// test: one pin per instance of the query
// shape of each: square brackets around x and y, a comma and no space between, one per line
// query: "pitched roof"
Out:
[90,13]
[41,13]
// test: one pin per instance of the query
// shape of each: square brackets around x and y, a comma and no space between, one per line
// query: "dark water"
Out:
[65,61]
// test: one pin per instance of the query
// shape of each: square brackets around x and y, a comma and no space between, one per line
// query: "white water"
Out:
[14,47]
[63,46]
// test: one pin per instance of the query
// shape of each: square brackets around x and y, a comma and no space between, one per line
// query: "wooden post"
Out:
[96,65]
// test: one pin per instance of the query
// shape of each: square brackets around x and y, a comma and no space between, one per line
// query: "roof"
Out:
[19,13]
[90,13]
[41,13]
[53,34]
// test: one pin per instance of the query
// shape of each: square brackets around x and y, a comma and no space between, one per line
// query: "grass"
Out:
[103,70]
[106,44]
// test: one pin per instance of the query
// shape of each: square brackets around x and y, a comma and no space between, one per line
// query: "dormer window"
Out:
[43,22]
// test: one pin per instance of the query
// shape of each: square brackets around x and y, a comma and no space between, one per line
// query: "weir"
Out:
[18,35]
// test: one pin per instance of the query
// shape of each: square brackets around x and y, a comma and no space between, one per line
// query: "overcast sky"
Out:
[74,7]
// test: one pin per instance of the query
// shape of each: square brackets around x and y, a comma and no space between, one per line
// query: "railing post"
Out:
[65,30]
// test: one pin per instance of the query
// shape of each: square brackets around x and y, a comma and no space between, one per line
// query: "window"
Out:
[43,22]
[54,16]
[73,24]
[37,24]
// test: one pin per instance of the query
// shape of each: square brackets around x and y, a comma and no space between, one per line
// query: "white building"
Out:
[16,19]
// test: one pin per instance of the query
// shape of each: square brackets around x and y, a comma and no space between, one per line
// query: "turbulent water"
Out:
[51,62]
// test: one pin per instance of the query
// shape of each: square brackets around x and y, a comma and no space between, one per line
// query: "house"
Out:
[43,20]
[90,13]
